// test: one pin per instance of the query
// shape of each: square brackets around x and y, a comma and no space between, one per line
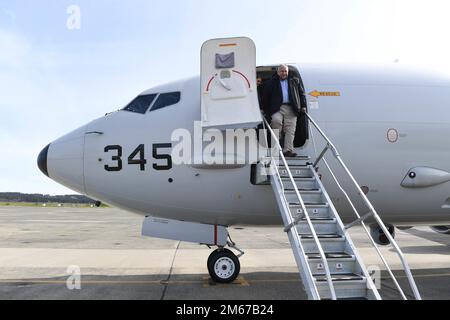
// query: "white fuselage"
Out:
[371,101]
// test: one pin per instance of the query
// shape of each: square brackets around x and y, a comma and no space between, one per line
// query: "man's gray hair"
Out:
[281,66]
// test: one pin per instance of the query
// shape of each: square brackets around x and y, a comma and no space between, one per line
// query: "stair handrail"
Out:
[377,218]
[391,274]
[305,212]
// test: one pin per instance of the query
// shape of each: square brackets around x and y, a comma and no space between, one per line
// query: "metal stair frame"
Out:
[294,240]
[372,290]
[291,222]
[372,212]
[290,225]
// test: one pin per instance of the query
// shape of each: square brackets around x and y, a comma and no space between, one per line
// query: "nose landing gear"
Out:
[223,264]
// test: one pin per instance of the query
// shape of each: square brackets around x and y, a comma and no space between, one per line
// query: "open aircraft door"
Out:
[229,97]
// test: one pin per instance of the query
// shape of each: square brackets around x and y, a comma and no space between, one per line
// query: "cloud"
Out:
[13,49]
[421,33]
[53,80]
[24,130]
[49,90]
[7,17]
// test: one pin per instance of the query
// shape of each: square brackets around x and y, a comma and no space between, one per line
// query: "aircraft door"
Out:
[229,97]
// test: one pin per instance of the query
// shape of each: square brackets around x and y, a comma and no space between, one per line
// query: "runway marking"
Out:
[25,282]
[206,281]
[421,276]
[65,221]
[240,281]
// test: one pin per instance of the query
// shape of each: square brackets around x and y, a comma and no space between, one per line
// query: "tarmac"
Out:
[99,253]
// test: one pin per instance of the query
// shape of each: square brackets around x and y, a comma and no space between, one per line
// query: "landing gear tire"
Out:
[223,266]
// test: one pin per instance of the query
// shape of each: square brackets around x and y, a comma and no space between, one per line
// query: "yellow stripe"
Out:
[239,281]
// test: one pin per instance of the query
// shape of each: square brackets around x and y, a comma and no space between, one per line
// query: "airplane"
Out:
[388,123]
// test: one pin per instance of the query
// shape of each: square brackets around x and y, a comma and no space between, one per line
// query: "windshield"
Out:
[140,104]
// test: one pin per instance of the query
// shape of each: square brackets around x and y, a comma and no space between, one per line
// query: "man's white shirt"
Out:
[285,90]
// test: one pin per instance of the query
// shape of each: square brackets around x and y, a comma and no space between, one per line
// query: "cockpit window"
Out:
[166,99]
[140,104]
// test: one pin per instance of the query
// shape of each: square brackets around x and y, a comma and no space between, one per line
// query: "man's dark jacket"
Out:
[273,99]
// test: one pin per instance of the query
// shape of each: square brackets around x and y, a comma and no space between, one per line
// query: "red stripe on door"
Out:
[209,83]
[248,82]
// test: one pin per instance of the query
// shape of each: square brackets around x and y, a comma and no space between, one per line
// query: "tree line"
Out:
[44,198]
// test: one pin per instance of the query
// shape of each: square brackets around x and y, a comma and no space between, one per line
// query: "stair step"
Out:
[302,160]
[300,188]
[296,171]
[344,289]
[298,157]
[321,236]
[293,167]
[321,226]
[330,255]
[314,210]
[317,219]
[328,244]
[346,285]
[312,196]
[307,204]
[301,183]
[337,262]
[339,277]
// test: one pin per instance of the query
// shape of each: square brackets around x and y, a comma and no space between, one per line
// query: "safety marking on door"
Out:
[227,44]
[235,71]
[317,94]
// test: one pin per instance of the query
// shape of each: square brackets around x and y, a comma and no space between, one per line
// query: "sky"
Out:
[57,73]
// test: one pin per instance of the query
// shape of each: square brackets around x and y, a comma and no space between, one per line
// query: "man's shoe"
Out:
[289,154]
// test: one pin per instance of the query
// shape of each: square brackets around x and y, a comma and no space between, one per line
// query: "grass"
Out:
[48,204]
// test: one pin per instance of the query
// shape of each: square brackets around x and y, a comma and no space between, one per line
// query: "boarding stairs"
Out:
[328,262]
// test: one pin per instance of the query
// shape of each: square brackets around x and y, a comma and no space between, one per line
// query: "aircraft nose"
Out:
[42,160]
[63,160]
